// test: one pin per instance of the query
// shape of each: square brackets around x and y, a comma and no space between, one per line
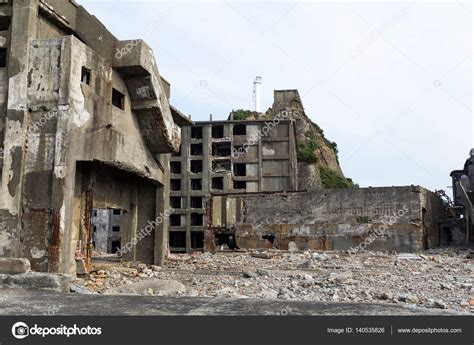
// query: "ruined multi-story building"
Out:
[227,157]
[459,228]
[86,125]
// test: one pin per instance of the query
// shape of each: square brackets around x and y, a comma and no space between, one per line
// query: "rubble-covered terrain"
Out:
[437,279]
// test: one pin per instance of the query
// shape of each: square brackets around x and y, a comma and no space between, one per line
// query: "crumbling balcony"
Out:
[136,63]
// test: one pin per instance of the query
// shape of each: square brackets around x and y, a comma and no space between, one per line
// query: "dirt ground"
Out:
[441,278]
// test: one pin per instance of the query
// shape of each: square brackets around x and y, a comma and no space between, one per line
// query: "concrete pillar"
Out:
[25,13]
[162,205]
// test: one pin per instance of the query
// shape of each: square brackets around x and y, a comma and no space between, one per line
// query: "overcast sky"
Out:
[391,83]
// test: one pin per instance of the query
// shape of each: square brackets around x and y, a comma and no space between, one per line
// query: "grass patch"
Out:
[306,150]
[332,179]
[362,219]
[241,114]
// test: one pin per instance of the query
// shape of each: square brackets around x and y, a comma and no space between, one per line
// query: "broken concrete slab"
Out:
[14,265]
[36,281]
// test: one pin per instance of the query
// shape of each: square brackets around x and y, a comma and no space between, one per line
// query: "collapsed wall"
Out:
[402,219]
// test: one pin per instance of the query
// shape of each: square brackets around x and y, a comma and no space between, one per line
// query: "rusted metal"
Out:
[87,244]
[55,243]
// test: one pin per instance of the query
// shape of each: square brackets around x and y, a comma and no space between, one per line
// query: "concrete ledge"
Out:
[14,266]
[37,281]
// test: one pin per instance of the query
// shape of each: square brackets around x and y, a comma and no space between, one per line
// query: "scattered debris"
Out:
[371,277]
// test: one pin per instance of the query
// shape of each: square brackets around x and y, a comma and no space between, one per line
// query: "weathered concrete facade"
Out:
[83,127]
[404,219]
[226,157]
[460,225]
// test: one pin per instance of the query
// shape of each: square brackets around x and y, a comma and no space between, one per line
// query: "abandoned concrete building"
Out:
[85,133]
[459,225]
[222,157]
[228,197]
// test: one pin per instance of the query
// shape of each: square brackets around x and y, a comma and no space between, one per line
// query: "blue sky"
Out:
[391,83]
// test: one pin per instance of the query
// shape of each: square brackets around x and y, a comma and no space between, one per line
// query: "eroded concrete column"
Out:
[25,13]
[162,205]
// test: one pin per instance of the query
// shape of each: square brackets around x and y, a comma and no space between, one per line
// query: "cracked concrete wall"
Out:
[87,128]
[336,219]
[55,120]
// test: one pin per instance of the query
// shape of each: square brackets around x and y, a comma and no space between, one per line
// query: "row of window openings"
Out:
[217,183]
[197,219]
[217,150]
[115,228]
[118,98]
[217,167]
[217,131]
[177,239]
[195,202]
[115,212]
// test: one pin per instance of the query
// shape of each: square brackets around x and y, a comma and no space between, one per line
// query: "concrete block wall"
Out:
[403,219]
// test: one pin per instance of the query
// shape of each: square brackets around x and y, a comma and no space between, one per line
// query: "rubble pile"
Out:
[437,279]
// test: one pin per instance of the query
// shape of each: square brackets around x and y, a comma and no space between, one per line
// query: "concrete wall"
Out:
[396,218]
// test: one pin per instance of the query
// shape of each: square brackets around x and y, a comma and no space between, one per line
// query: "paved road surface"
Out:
[34,302]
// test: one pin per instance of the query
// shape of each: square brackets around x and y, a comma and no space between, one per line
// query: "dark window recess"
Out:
[225,239]
[196,149]
[95,213]
[240,170]
[175,184]
[116,228]
[197,219]
[115,246]
[5,22]
[218,131]
[196,167]
[177,239]
[86,76]
[117,211]
[240,185]
[196,202]
[175,167]
[240,129]
[221,149]
[3,57]
[175,201]
[196,132]
[217,183]
[95,228]
[196,184]
[118,99]
[175,220]
[221,166]
[269,238]
[197,240]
